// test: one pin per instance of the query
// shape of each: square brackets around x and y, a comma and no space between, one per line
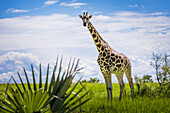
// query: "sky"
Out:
[36,31]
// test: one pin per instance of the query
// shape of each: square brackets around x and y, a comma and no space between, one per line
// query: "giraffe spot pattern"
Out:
[96,40]
[91,30]
[117,61]
[108,56]
[98,45]
[94,31]
[121,60]
[113,59]
[104,54]
[111,62]
[118,65]
[102,48]
[94,35]
[112,54]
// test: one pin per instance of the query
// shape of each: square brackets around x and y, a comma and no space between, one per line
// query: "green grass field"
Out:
[100,104]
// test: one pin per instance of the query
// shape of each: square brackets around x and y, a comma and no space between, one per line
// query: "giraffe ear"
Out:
[90,16]
[80,16]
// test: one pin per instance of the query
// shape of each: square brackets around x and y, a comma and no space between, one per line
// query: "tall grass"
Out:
[100,104]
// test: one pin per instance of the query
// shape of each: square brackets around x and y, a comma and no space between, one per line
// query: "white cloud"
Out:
[12,10]
[13,62]
[75,5]
[51,2]
[74,0]
[136,35]
[135,5]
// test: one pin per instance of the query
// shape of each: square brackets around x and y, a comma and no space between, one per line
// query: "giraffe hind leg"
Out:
[128,75]
[121,83]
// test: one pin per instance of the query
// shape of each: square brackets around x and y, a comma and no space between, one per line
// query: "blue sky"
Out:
[73,7]
[34,31]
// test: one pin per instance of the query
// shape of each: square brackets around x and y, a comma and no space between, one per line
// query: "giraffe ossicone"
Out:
[109,60]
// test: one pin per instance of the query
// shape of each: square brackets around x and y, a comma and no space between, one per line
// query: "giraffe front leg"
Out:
[110,85]
[106,81]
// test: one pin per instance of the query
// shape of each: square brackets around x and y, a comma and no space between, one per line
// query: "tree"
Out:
[165,73]
[156,63]
[162,67]
[94,80]
[84,81]
[147,79]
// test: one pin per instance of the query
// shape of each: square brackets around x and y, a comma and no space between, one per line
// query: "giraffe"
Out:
[109,60]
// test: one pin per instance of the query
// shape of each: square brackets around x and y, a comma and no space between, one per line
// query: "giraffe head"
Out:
[85,18]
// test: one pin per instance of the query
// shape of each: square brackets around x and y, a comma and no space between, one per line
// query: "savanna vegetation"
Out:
[61,95]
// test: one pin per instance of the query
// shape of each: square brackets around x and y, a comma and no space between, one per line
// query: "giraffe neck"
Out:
[99,42]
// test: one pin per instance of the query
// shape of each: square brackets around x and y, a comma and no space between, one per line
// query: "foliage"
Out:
[99,103]
[28,102]
[54,96]
[92,80]
[162,67]
[141,83]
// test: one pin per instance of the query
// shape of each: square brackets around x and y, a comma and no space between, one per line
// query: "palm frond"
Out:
[53,96]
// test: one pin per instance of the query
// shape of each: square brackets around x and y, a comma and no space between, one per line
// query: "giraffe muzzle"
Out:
[84,24]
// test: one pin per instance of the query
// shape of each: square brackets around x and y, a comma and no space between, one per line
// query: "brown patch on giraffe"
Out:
[112,54]
[118,65]
[113,59]
[108,56]
[104,54]
[96,40]
[102,48]
[98,45]
[117,61]
[94,35]
[110,63]
[107,60]
[102,59]
[121,60]
[94,31]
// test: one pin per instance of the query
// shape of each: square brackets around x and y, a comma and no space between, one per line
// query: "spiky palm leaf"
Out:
[29,102]
[60,99]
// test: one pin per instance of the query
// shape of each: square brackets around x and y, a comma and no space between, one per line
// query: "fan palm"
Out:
[52,97]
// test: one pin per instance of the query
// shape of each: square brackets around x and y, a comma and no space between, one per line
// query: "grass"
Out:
[100,104]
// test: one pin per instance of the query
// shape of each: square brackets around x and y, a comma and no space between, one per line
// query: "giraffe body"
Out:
[110,61]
